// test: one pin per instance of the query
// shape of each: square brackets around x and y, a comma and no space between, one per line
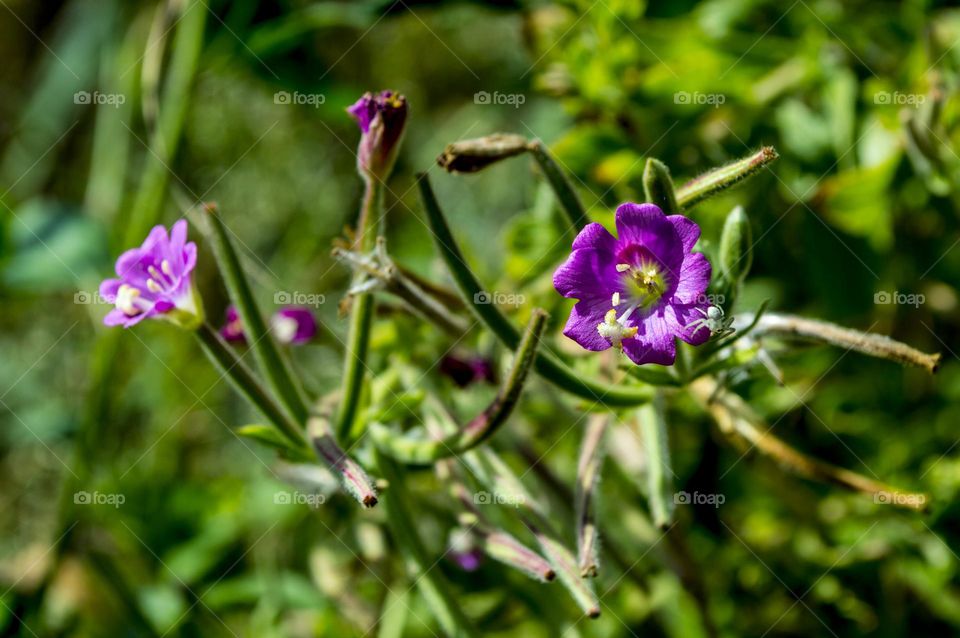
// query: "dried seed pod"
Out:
[470,156]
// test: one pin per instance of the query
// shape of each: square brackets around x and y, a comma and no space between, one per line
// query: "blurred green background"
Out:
[114,115]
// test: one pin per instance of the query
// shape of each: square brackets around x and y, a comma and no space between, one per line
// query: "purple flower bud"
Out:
[292,325]
[640,290]
[381,118]
[155,281]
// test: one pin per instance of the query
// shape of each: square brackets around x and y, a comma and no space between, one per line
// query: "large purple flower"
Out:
[639,290]
[381,118]
[155,281]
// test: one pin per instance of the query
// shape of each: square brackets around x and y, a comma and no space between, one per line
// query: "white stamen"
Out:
[153,286]
[165,267]
[155,273]
[616,299]
[623,267]
[126,301]
[613,329]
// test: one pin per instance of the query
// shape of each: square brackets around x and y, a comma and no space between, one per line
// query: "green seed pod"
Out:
[658,186]
[736,247]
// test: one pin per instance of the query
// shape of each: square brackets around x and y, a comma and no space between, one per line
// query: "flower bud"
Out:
[381,118]
[736,247]
[658,186]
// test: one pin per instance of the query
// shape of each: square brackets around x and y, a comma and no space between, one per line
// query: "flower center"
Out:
[127,300]
[645,282]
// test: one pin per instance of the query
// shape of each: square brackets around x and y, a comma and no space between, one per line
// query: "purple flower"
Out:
[291,325]
[155,281]
[639,290]
[381,118]
[232,330]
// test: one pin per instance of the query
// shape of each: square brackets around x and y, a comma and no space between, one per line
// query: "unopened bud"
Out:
[470,156]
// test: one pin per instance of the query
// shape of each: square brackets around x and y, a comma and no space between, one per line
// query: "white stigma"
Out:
[126,301]
[614,330]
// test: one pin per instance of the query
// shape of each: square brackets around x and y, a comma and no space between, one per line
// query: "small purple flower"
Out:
[292,325]
[232,330]
[639,290]
[155,281]
[381,118]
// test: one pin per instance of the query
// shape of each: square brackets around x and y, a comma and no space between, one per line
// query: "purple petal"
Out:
[588,274]
[594,235]
[644,226]
[115,318]
[363,111]
[694,279]
[189,259]
[109,288]
[654,341]
[684,317]
[687,229]
[583,322]
[306,324]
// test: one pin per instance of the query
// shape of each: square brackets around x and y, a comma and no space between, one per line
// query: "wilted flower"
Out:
[639,290]
[291,325]
[155,281]
[381,118]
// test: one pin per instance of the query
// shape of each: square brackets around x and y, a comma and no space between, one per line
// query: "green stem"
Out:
[435,589]
[546,364]
[361,320]
[354,480]
[564,191]
[186,47]
[653,429]
[720,179]
[247,384]
[285,387]
[588,474]
[483,426]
